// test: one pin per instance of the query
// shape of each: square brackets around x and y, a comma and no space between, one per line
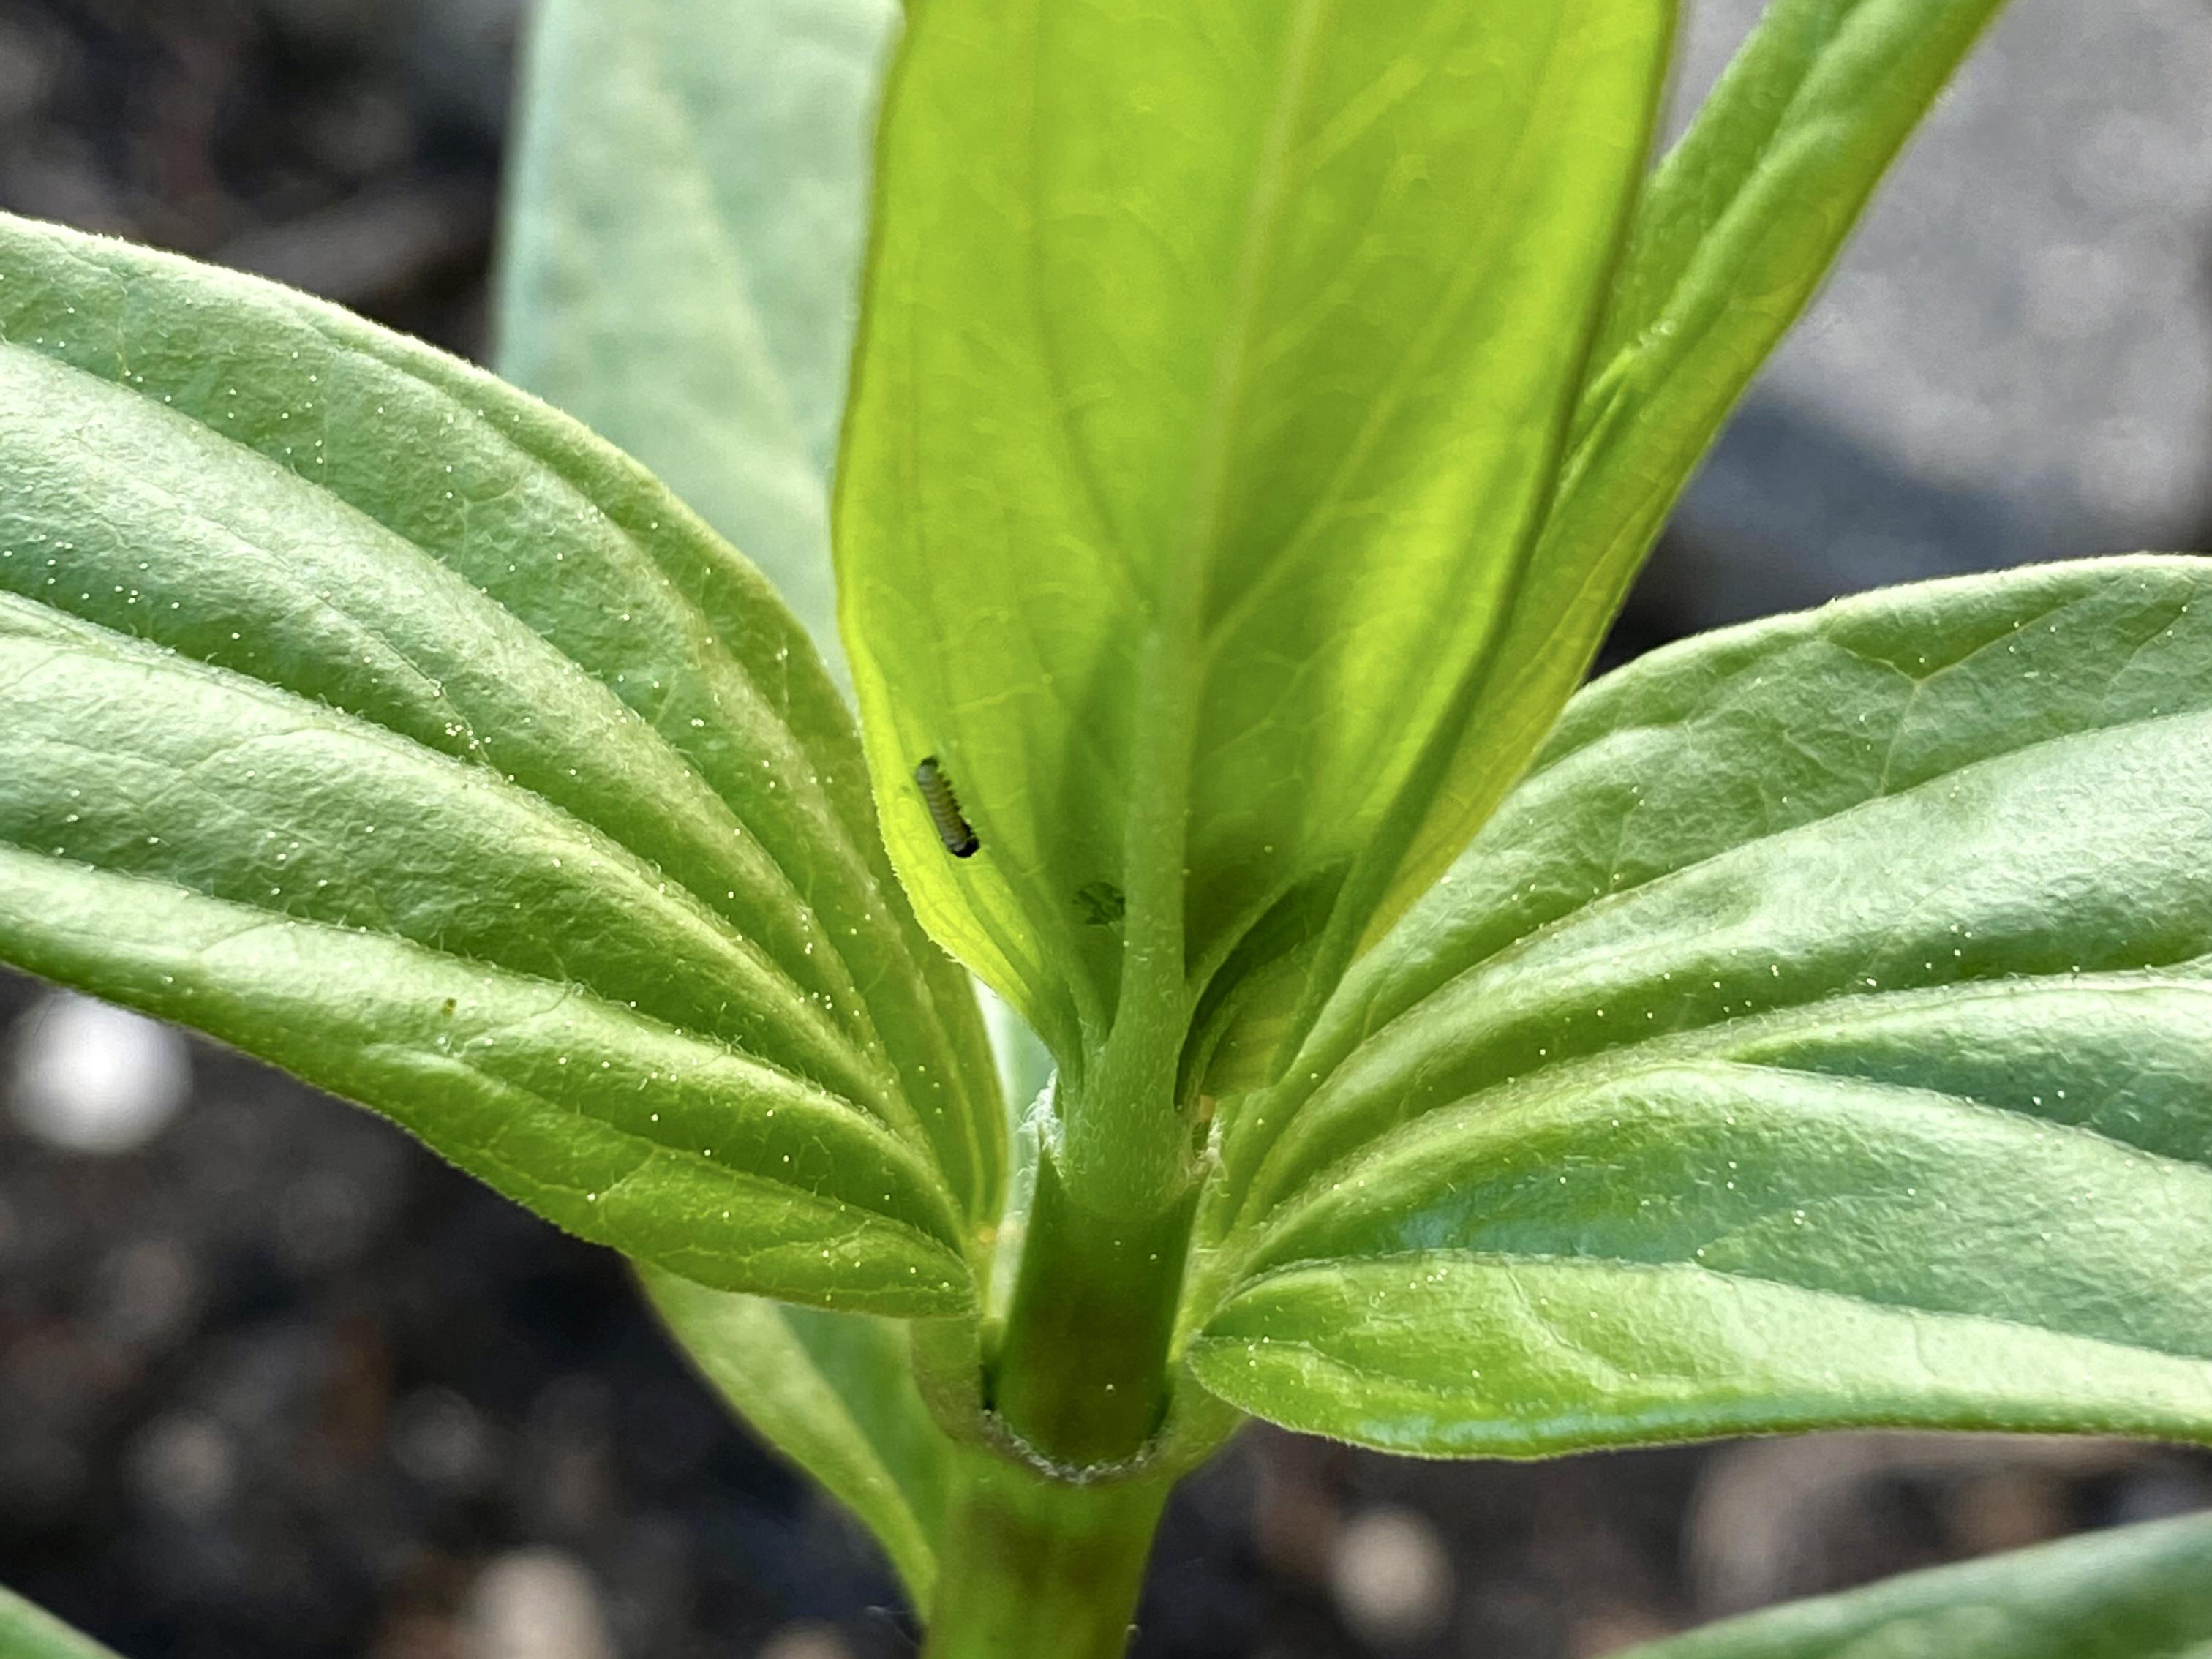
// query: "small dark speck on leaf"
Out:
[1100,903]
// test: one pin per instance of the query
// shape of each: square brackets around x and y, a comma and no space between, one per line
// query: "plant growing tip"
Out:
[1257,416]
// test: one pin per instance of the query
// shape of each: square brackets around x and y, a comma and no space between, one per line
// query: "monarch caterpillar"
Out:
[954,831]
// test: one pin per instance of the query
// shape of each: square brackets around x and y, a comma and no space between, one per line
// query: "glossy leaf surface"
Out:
[29,1632]
[1822,1034]
[2143,1592]
[372,717]
[1740,224]
[1213,361]
[836,1393]
[682,244]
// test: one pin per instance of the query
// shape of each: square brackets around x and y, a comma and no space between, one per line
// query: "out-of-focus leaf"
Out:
[370,716]
[2142,1592]
[682,245]
[27,1632]
[1822,1034]
[836,1393]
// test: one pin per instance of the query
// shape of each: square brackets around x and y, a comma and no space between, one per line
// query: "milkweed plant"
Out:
[1231,425]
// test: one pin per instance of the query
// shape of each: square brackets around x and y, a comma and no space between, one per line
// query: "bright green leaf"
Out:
[2142,1592]
[1822,1034]
[682,247]
[370,716]
[27,1632]
[1214,361]
[833,1392]
[1740,224]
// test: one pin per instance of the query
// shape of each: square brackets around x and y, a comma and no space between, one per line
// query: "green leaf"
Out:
[2143,1592]
[27,1632]
[835,1393]
[1822,1034]
[1740,222]
[367,715]
[1213,363]
[683,246]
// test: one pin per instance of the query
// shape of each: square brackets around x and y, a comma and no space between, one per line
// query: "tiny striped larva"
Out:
[953,829]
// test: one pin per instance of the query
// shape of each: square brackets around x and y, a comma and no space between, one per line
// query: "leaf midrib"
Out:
[1165,730]
[651,1148]
[1704,1060]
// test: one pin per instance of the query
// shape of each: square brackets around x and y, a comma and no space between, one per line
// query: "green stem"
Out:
[1053,1503]
[1081,1377]
[1043,1546]
[1032,1565]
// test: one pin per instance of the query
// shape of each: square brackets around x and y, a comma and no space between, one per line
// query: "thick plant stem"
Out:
[1043,1546]
[1082,1376]
[1031,1567]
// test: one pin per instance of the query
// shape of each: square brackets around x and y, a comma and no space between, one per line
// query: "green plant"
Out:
[1258,413]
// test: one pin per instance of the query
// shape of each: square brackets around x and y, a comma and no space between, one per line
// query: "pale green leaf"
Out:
[1822,1034]
[372,717]
[1741,221]
[681,250]
[836,1393]
[29,1632]
[1214,361]
[2143,1592]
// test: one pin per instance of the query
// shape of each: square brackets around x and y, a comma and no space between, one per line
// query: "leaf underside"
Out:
[370,716]
[1822,1034]
[1213,363]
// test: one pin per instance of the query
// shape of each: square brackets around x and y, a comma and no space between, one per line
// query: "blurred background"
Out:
[275,1382]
